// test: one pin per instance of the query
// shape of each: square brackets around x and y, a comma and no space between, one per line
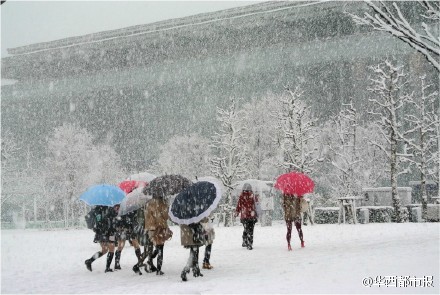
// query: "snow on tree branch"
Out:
[296,132]
[388,102]
[388,17]
[230,158]
[421,137]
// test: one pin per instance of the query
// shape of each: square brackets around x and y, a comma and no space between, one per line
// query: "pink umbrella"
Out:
[294,183]
[129,185]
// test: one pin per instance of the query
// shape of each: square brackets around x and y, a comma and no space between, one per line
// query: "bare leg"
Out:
[95,256]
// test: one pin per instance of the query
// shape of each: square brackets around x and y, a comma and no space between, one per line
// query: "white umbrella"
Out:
[259,187]
[143,176]
[133,201]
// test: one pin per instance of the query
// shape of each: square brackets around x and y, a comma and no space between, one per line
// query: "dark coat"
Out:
[111,217]
[126,222]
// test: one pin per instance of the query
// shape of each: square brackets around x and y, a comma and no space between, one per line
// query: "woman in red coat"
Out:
[246,207]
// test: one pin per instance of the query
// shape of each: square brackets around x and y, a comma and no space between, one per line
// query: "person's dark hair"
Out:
[247,187]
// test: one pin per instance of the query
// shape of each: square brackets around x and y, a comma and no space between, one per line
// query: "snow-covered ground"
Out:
[336,259]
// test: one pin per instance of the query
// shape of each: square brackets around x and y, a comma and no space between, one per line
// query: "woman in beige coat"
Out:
[156,217]
[293,207]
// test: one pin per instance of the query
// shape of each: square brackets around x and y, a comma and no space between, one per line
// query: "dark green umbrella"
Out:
[167,185]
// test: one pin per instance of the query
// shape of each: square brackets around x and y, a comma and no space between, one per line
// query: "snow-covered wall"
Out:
[381,196]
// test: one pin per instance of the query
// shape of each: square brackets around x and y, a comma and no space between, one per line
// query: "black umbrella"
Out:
[195,202]
[167,185]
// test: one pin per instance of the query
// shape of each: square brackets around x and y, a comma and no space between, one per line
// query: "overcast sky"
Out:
[29,22]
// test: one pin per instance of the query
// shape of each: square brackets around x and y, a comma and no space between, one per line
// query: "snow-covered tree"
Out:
[229,160]
[73,163]
[9,166]
[21,186]
[187,155]
[296,132]
[106,165]
[422,137]
[260,131]
[436,155]
[374,165]
[389,17]
[9,150]
[388,101]
[345,151]
[68,166]
[367,171]
[31,188]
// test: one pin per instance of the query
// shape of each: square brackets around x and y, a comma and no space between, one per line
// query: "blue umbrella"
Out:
[103,194]
[195,202]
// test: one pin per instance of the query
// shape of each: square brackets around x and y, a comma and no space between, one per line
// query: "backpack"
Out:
[90,219]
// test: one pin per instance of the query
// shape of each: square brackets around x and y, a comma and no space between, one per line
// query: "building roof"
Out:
[218,18]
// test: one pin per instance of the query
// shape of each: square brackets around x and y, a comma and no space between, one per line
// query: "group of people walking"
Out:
[148,227]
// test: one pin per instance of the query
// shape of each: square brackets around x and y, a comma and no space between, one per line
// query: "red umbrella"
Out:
[129,185]
[294,183]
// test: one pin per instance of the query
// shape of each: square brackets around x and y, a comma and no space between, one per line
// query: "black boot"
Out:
[150,266]
[159,272]
[149,253]
[88,263]
[117,259]
[196,271]
[154,254]
[137,270]
[95,256]
[138,254]
[109,261]
[183,274]
[195,262]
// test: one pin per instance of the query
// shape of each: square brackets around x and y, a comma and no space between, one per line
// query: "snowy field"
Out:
[336,259]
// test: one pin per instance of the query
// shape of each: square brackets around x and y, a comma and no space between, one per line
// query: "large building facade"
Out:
[141,85]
